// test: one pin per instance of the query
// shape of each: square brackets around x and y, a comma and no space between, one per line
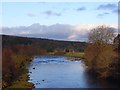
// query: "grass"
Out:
[75,54]
[22,82]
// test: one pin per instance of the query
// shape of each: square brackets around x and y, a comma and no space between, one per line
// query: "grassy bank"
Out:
[22,82]
[15,73]
[68,54]
[75,54]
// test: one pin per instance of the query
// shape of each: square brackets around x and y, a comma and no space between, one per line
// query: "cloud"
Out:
[107,6]
[50,13]
[31,15]
[117,11]
[56,31]
[111,7]
[101,15]
[81,9]
[106,13]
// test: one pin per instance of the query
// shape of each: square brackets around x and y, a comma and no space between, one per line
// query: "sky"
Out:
[69,21]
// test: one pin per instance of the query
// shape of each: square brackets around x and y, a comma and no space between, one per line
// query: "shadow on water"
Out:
[94,82]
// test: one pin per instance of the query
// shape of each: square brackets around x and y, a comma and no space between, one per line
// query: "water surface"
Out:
[58,72]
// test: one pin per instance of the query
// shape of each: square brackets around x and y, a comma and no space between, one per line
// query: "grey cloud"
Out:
[111,7]
[56,31]
[82,37]
[49,13]
[101,15]
[107,6]
[116,11]
[106,13]
[81,9]
[31,15]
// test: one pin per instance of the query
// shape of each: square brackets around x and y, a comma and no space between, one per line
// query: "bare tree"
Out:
[101,34]
[100,54]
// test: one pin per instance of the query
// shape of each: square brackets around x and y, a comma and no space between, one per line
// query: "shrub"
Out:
[100,53]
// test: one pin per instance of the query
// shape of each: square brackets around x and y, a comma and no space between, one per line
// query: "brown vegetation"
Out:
[99,59]
[14,61]
[100,55]
[17,52]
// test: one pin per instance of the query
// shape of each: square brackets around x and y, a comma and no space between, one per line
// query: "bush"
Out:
[100,54]
[99,59]
[14,62]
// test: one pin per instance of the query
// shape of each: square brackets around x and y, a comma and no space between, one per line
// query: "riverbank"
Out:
[79,55]
[22,80]
[75,54]
[15,73]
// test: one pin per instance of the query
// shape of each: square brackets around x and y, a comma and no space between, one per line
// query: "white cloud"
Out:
[24,33]
[72,37]
[56,31]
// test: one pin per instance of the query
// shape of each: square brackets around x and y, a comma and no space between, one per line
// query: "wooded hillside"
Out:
[49,45]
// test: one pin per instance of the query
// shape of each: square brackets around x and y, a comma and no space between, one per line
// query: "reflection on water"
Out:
[58,72]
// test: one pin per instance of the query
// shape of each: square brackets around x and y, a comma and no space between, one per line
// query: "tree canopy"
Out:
[100,54]
[101,34]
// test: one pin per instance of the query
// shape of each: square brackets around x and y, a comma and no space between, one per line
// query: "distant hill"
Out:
[47,44]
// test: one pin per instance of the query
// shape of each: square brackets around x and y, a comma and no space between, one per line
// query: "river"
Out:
[59,72]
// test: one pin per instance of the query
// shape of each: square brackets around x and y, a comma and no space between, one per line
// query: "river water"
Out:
[59,72]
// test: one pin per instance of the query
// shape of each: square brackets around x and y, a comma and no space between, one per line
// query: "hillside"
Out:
[47,44]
